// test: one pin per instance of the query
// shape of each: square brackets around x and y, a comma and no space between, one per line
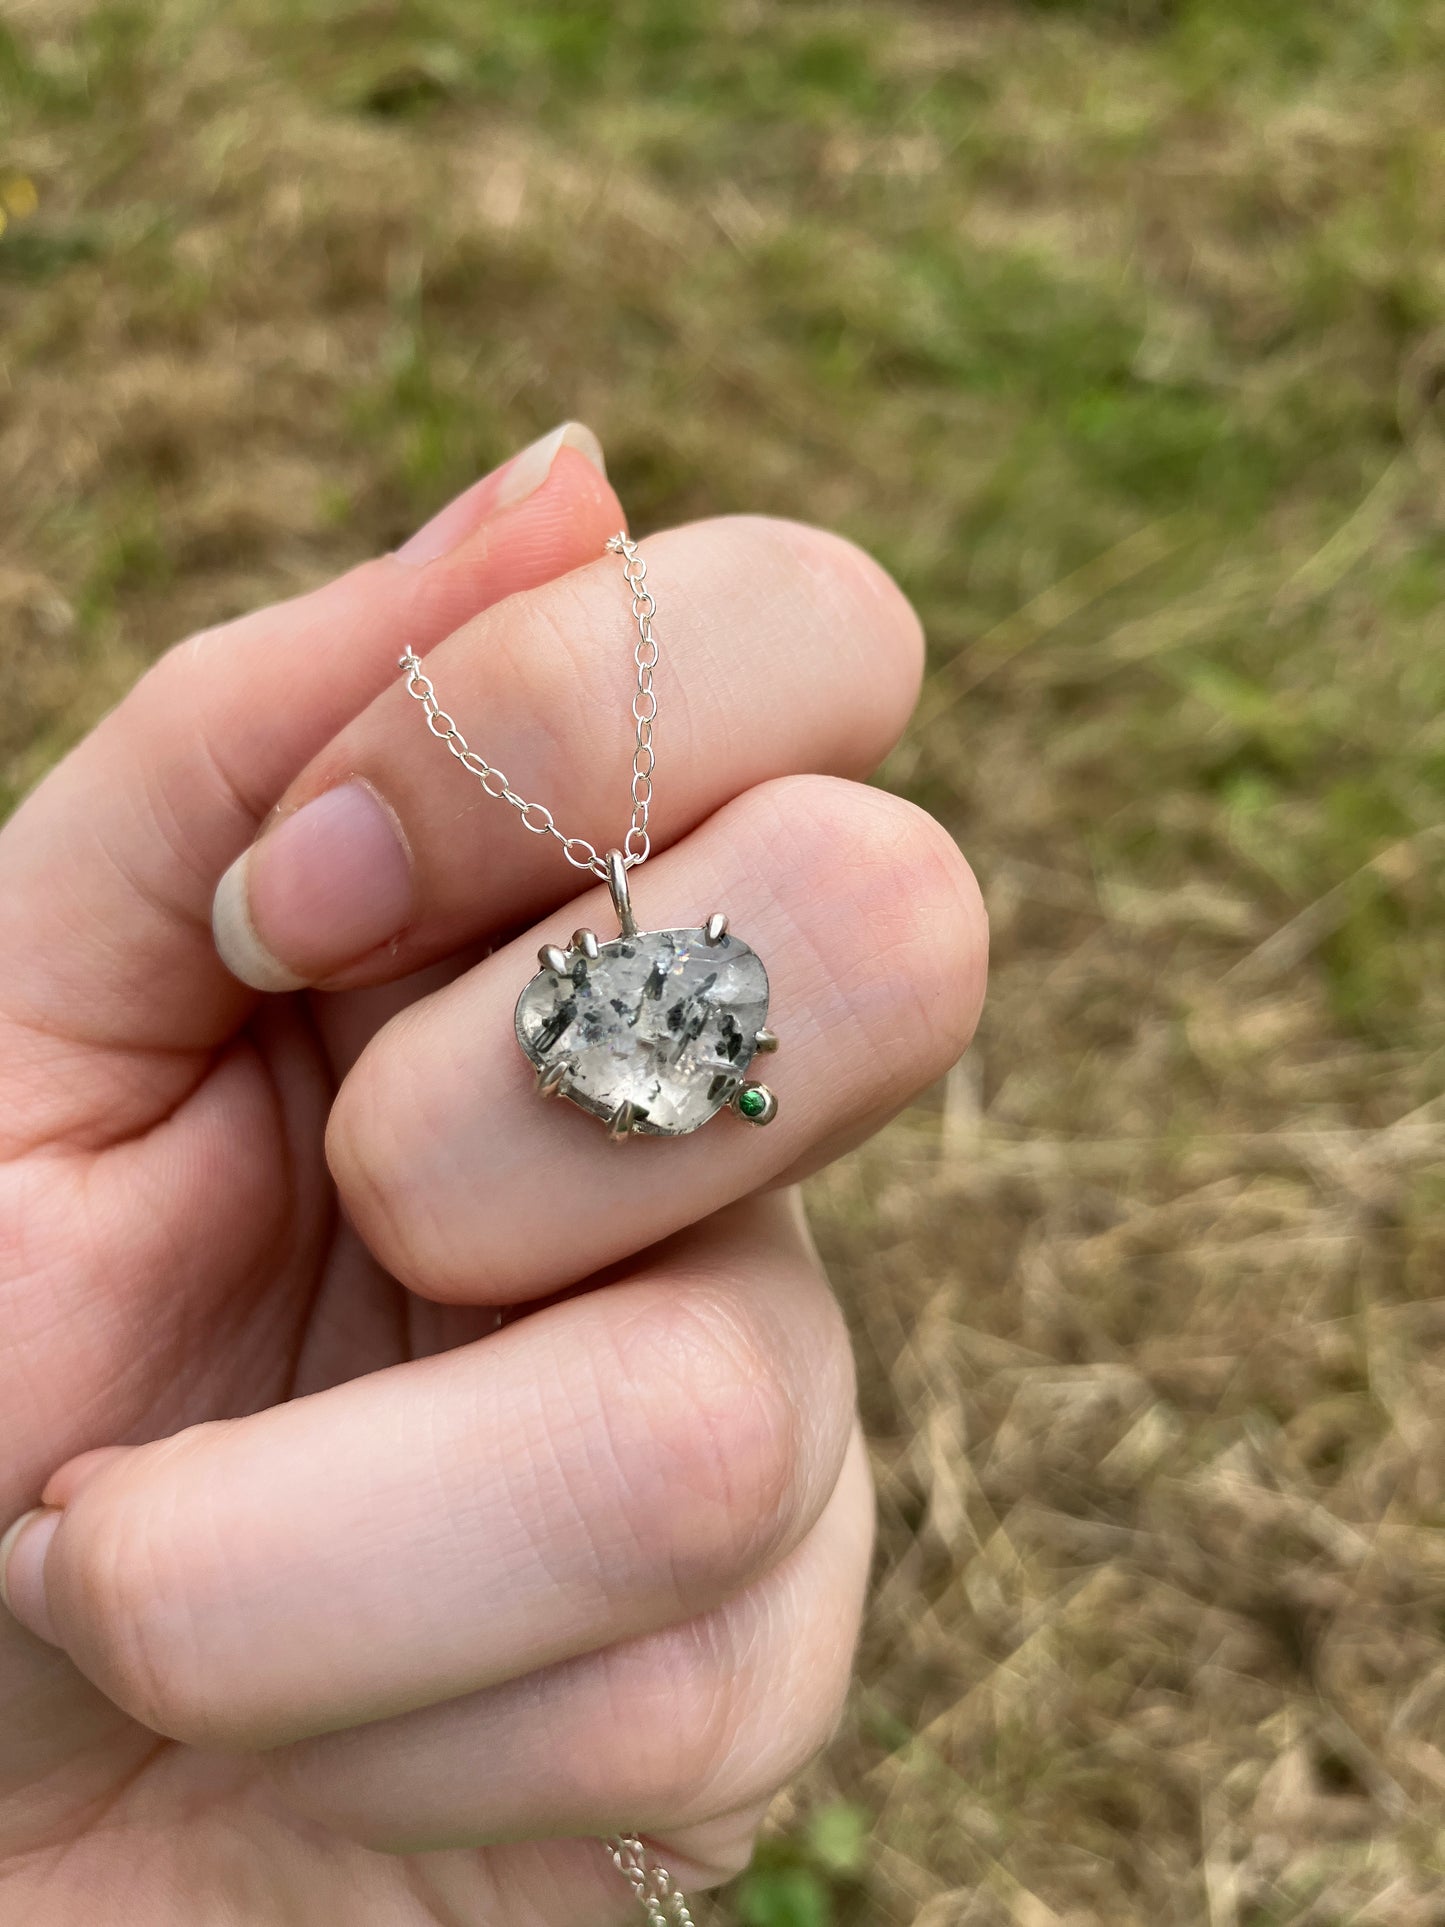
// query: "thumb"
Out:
[107,871]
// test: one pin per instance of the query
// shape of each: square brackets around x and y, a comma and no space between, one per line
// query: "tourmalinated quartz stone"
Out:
[663,1020]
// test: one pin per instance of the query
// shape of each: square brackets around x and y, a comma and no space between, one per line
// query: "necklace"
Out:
[652,1031]
[659,1899]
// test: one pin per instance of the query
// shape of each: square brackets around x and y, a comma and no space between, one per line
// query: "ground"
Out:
[1116,330]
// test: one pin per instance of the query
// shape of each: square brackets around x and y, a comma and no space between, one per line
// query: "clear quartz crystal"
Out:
[663,1020]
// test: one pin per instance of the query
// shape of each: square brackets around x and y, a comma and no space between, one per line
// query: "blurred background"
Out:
[1116,331]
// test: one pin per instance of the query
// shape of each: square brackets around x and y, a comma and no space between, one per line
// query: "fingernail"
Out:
[22,1570]
[513,482]
[317,890]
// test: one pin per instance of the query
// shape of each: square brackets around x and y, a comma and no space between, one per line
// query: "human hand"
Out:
[427,1485]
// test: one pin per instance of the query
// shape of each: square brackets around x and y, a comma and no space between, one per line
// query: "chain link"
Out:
[660,1900]
[636,845]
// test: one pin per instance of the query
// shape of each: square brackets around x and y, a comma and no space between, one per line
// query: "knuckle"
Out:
[369,1136]
[677,1687]
[173,679]
[830,565]
[356,1154]
[709,1454]
[854,597]
[131,1587]
[940,927]
[741,1698]
[729,1848]
[907,884]
[201,808]
[910,886]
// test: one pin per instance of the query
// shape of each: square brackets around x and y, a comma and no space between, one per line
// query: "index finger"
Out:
[783,650]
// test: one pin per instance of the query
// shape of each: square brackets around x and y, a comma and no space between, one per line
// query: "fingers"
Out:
[664,1733]
[608,1466]
[782,649]
[106,931]
[869,922]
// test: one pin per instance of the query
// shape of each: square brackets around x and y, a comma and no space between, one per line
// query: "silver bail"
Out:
[617,886]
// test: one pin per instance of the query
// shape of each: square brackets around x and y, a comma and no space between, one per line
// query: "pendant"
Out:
[653,1031]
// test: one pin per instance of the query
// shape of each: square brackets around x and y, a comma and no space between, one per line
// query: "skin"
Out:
[428,1486]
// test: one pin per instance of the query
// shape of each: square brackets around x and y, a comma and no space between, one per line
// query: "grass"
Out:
[1119,332]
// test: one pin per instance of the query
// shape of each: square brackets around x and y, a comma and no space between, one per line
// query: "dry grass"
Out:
[1115,330]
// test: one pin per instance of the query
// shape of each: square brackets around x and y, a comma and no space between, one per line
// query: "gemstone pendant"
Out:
[652,1031]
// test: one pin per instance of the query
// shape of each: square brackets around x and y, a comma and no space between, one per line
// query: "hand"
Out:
[427,1485]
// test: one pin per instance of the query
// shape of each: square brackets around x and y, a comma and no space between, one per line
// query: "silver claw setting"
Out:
[580,1021]
[551,1076]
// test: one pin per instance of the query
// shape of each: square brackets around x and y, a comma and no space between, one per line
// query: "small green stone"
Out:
[752,1103]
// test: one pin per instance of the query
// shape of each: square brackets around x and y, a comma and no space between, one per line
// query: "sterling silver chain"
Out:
[662,1903]
[652,1884]
[636,845]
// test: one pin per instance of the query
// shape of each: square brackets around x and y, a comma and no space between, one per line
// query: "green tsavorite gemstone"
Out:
[752,1103]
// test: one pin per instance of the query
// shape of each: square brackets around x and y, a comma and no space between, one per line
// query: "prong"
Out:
[755,1103]
[550,1076]
[621,1121]
[716,927]
[586,942]
[553,959]
[765,1041]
